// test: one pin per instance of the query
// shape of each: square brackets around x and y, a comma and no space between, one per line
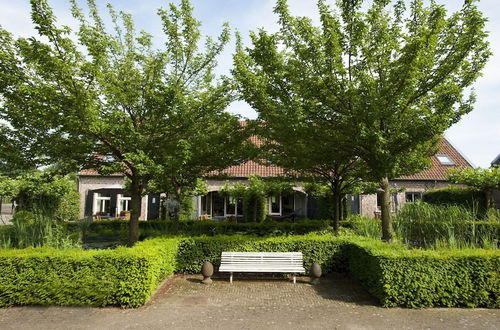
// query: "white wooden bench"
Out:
[265,262]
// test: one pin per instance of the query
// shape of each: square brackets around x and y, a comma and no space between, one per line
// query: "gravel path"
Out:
[183,303]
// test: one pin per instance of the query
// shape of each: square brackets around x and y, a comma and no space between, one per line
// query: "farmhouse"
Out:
[104,197]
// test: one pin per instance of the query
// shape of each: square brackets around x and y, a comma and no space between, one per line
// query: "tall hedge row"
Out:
[126,276]
[424,278]
[469,198]
[203,227]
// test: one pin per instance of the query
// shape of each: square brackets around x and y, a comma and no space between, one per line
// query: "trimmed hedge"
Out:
[469,198]
[126,276]
[424,278]
[203,227]
[324,249]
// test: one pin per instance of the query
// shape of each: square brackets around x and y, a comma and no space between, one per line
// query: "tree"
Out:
[387,81]
[113,102]
[482,179]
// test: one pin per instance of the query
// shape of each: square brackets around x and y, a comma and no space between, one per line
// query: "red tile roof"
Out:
[436,172]
[439,171]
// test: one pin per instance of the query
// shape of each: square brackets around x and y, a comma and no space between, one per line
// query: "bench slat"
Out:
[269,262]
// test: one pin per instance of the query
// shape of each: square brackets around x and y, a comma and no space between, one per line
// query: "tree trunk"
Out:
[336,207]
[135,204]
[489,198]
[386,210]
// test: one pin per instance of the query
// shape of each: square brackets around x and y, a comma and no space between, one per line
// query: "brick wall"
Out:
[368,203]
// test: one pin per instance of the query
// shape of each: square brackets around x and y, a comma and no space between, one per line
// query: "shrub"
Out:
[204,227]
[34,229]
[420,278]
[469,198]
[449,225]
[69,206]
[125,276]
[324,249]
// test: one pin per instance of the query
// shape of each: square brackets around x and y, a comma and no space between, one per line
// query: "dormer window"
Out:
[445,160]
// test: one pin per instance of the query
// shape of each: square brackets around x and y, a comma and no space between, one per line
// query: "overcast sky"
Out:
[477,135]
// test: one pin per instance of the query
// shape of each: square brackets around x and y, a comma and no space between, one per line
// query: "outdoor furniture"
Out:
[289,216]
[261,262]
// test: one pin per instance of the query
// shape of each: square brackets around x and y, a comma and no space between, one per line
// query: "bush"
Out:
[125,276]
[450,225]
[34,229]
[420,278]
[324,249]
[204,227]
[469,198]
[69,206]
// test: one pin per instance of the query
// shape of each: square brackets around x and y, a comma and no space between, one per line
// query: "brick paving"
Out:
[252,303]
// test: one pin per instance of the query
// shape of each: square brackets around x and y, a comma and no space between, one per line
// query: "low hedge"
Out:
[203,227]
[125,276]
[395,274]
[324,249]
[423,278]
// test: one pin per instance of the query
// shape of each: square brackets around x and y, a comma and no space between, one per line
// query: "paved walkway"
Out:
[183,303]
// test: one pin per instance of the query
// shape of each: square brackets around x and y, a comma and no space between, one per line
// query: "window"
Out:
[123,203]
[394,202]
[102,204]
[218,202]
[445,160]
[413,196]
[275,205]
[239,207]
[287,203]
[205,204]
[230,206]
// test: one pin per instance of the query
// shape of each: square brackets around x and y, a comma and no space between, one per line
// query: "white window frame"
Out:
[444,159]
[412,193]
[99,198]
[226,202]
[120,198]
[269,206]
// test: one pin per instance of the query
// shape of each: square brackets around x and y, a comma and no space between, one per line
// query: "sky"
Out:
[476,136]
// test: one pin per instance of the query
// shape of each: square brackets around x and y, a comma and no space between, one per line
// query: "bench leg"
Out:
[294,279]
[231,277]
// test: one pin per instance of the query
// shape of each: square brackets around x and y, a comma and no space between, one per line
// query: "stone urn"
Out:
[207,270]
[315,273]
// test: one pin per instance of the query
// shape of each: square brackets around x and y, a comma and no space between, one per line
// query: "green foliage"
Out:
[47,192]
[444,225]
[254,194]
[124,277]
[106,98]
[469,198]
[479,178]
[127,277]
[35,229]
[379,84]
[365,227]
[482,179]
[201,227]
[324,249]
[418,278]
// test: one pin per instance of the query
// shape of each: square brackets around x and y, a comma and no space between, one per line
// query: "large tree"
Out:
[109,99]
[482,179]
[389,80]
